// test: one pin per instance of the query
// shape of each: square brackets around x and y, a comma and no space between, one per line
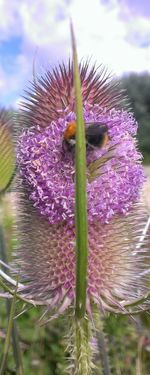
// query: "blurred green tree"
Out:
[138,91]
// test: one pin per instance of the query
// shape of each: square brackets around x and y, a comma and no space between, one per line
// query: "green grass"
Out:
[43,347]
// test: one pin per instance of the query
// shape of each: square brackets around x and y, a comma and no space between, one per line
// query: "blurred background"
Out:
[34,36]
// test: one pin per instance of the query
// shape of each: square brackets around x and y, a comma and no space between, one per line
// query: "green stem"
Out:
[10,291]
[15,338]
[139,357]
[81,199]
[8,335]
[82,351]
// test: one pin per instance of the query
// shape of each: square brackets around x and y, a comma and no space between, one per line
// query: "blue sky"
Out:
[114,32]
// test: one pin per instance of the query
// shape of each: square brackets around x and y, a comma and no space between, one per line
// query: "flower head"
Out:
[46,195]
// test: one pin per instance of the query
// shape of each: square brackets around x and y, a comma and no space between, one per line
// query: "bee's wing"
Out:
[94,169]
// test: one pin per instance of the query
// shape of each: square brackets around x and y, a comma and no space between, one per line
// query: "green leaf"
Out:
[81,199]
[7,155]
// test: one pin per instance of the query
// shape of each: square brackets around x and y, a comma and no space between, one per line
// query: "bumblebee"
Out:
[96,134]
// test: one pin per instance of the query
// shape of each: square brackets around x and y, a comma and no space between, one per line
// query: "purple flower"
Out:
[117,264]
[49,169]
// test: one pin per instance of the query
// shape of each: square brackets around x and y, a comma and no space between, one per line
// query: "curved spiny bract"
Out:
[52,96]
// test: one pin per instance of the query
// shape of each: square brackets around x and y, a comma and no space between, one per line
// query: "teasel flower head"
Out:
[118,255]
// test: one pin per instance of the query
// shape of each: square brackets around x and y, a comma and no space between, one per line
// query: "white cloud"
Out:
[101,32]
[138,31]
[110,33]
[9,19]
[44,21]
